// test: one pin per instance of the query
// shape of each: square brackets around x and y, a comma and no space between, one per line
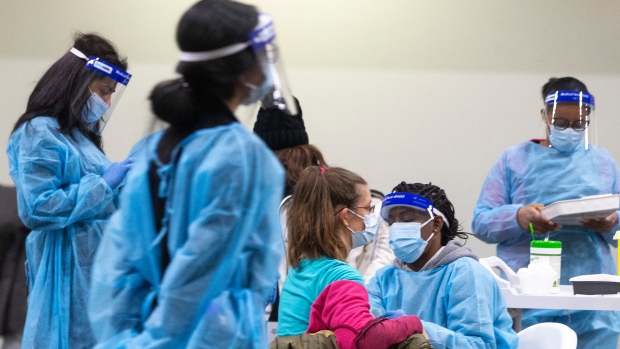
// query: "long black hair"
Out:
[439,199]
[63,83]
[207,25]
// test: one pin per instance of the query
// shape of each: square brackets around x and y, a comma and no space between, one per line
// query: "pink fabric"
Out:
[343,307]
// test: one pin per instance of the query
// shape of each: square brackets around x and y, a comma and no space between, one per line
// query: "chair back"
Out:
[547,335]
[496,262]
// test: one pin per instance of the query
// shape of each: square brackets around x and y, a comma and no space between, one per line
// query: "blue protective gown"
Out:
[224,239]
[459,303]
[530,173]
[63,199]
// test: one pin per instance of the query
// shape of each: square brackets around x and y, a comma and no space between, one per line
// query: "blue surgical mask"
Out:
[371,223]
[565,140]
[406,240]
[94,109]
[257,93]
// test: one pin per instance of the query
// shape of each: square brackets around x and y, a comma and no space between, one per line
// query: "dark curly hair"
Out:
[441,202]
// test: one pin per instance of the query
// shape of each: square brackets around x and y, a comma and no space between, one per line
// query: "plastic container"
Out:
[548,251]
[596,284]
[537,279]
[571,212]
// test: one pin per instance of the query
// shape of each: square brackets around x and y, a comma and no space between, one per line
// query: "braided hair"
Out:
[441,202]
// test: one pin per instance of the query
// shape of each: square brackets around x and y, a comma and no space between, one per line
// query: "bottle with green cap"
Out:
[550,251]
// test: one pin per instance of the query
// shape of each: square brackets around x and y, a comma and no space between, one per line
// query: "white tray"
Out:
[571,212]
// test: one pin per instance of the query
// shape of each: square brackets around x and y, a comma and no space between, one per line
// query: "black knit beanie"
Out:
[280,130]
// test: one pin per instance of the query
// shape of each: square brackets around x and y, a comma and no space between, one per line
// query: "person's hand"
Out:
[601,225]
[393,314]
[531,214]
[115,174]
[271,299]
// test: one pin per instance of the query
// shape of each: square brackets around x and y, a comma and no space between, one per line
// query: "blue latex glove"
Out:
[393,314]
[115,174]
[272,296]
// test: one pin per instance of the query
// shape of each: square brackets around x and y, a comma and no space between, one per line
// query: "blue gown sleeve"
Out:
[495,216]
[118,290]
[375,295]
[476,314]
[52,195]
[615,173]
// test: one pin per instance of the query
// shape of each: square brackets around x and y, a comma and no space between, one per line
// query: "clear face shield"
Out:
[274,91]
[569,119]
[263,40]
[100,93]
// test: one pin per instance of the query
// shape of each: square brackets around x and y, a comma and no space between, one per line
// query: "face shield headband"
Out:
[263,42]
[405,199]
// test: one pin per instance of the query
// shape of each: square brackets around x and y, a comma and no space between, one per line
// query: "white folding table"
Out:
[565,299]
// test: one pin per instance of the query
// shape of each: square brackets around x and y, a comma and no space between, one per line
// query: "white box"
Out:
[571,212]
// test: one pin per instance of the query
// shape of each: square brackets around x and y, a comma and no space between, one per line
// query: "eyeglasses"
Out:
[577,125]
[370,208]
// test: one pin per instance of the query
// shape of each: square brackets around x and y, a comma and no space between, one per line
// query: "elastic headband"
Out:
[213,54]
[78,53]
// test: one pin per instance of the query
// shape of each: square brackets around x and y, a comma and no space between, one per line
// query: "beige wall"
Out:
[392,89]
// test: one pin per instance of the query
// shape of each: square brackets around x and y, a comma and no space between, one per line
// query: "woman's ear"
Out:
[343,217]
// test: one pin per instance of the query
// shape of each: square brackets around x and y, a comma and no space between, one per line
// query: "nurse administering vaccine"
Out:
[66,186]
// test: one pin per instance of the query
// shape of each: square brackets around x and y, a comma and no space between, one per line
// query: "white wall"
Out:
[394,89]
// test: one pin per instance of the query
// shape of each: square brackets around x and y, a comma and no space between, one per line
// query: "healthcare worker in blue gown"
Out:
[191,256]
[66,187]
[435,277]
[565,165]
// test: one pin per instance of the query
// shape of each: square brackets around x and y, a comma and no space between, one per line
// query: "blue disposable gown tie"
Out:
[63,199]
[223,237]
[530,173]
[460,304]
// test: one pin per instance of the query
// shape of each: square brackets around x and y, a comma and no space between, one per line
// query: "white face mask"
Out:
[406,240]
[565,140]
[371,223]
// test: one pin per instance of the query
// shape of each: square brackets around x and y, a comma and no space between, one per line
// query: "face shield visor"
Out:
[100,93]
[274,91]
[263,40]
[419,205]
[569,119]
